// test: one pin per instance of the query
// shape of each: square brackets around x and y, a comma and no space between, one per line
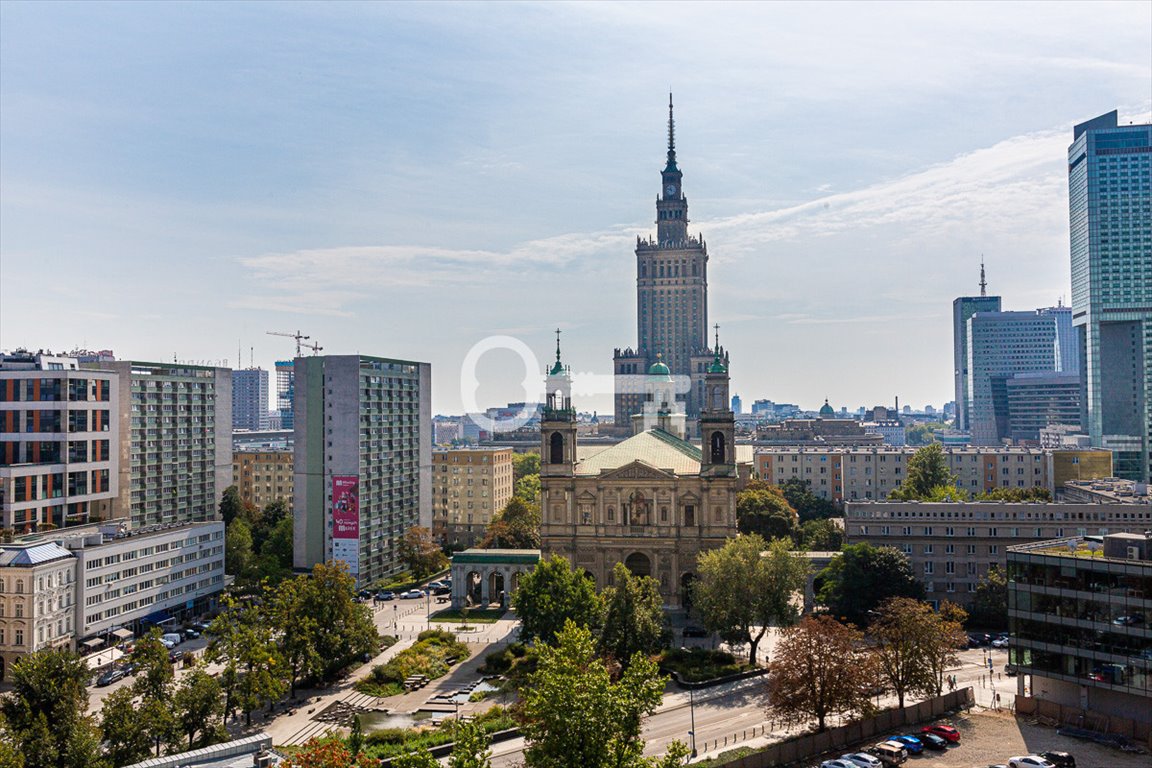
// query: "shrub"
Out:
[428,657]
[697,664]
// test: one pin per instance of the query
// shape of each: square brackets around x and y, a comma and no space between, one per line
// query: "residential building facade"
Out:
[855,473]
[363,460]
[1110,217]
[264,476]
[1077,611]
[37,600]
[952,545]
[249,399]
[469,487]
[59,442]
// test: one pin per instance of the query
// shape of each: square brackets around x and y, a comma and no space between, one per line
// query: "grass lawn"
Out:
[490,616]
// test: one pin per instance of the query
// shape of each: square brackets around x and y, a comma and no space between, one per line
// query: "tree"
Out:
[927,471]
[418,758]
[902,633]
[356,736]
[231,505]
[551,594]
[154,669]
[277,548]
[862,577]
[633,616]
[47,711]
[528,489]
[254,672]
[820,669]
[239,557]
[1019,495]
[524,464]
[574,715]
[989,607]
[821,535]
[517,526]
[747,586]
[10,756]
[470,747]
[297,630]
[198,704]
[126,735]
[330,752]
[344,629]
[945,635]
[808,505]
[762,509]
[420,553]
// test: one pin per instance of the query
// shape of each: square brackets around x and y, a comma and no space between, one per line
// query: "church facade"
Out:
[671,303]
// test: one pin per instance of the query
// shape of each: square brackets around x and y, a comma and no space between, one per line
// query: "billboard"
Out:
[346,521]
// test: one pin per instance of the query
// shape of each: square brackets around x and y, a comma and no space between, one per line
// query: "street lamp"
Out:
[692,715]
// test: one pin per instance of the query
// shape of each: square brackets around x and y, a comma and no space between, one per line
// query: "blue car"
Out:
[911,743]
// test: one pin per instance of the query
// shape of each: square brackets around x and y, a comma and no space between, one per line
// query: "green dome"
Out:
[557,368]
[658,368]
[827,410]
[717,365]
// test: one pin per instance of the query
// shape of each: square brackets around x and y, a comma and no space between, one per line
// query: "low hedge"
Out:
[428,657]
[694,665]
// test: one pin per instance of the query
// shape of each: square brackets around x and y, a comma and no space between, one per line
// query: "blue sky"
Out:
[409,179]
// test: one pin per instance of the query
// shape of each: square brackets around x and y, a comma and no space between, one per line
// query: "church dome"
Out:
[717,365]
[827,410]
[658,368]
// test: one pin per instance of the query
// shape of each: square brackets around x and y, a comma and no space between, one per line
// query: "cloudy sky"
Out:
[407,180]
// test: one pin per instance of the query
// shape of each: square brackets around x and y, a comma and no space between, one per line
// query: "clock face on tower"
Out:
[670,189]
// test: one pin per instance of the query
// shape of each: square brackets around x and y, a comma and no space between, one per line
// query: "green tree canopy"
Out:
[231,506]
[524,464]
[47,711]
[762,509]
[551,594]
[528,489]
[862,577]
[574,715]
[470,746]
[420,553]
[821,535]
[1019,495]
[747,586]
[239,557]
[198,704]
[254,671]
[989,607]
[517,526]
[633,616]
[902,630]
[807,504]
[927,472]
[126,735]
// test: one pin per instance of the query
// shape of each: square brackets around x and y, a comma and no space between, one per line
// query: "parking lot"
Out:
[990,738]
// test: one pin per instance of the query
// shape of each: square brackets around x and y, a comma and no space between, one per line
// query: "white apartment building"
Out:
[37,599]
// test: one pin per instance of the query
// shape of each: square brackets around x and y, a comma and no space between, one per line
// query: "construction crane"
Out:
[298,336]
[316,348]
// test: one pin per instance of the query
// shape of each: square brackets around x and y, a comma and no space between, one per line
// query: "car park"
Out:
[978,640]
[946,732]
[1029,761]
[1059,759]
[889,752]
[694,631]
[932,741]
[837,763]
[862,760]
[910,743]
[110,677]
[412,594]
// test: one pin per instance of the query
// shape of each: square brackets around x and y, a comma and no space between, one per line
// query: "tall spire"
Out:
[671,137]
[557,367]
[983,282]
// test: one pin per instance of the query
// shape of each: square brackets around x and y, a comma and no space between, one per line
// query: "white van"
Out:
[171,640]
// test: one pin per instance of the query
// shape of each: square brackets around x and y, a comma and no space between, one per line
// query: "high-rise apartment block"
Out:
[1002,345]
[175,450]
[363,460]
[59,434]
[1110,215]
[469,486]
[249,399]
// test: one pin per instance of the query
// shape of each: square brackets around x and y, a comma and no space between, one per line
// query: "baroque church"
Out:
[654,501]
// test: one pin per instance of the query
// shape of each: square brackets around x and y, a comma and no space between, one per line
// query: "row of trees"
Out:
[257,542]
[929,479]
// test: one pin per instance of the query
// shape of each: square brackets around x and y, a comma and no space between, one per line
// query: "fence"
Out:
[812,744]
[1138,732]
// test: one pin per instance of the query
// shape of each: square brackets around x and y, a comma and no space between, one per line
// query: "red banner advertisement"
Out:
[346,507]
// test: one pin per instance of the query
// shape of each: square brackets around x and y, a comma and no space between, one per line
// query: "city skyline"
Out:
[408,193]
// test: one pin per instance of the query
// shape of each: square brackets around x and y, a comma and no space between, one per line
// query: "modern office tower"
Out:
[249,399]
[285,378]
[264,475]
[1110,213]
[962,310]
[59,436]
[175,441]
[737,405]
[363,460]
[1039,400]
[1002,345]
[469,486]
[671,303]
[1076,610]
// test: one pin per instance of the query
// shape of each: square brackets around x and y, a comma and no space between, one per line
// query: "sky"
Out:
[409,180]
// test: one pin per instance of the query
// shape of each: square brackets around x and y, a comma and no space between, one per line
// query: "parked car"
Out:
[110,677]
[191,633]
[1000,642]
[911,743]
[978,640]
[932,741]
[694,631]
[946,732]
[1029,761]
[862,760]
[171,639]
[175,656]
[837,763]
[1059,759]
[434,585]
[386,594]
[890,752]
[129,668]
[412,594]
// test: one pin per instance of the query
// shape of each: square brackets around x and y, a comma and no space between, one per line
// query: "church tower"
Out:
[671,300]
[717,422]
[558,423]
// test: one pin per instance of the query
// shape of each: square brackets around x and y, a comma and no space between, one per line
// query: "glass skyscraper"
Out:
[1110,213]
